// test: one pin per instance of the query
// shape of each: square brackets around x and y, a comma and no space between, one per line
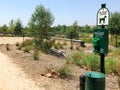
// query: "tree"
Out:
[39,27]
[4,29]
[11,26]
[74,30]
[114,26]
[18,27]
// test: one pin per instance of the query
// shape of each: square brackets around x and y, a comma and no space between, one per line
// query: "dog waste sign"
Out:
[100,41]
[103,16]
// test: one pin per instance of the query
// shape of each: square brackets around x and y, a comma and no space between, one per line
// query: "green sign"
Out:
[100,41]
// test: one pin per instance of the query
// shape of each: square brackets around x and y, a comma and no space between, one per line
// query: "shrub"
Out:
[36,55]
[65,71]
[76,58]
[26,46]
[81,59]
[110,65]
[92,61]
[27,42]
[27,49]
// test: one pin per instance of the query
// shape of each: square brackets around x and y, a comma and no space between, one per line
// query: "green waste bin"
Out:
[95,81]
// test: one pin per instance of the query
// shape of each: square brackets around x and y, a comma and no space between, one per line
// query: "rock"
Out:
[53,72]
[42,74]
[48,75]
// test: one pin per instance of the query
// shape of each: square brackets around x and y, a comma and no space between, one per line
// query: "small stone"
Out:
[42,74]
[53,72]
[49,75]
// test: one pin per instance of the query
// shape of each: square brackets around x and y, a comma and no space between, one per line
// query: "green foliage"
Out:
[82,59]
[39,27]
[27,49]
[18,27]
[65,71]
[92,61]
[11,26]
[27,42]
[36,54]
[110,65]
[76,58]
[115,23]
[4,29]
[26,46]
[87,38]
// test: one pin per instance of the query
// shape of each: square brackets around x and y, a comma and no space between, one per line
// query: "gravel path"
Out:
[12,77]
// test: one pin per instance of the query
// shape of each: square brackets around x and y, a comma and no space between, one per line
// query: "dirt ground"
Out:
[28,69]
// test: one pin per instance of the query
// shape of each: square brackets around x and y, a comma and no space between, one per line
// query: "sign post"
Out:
[100,36]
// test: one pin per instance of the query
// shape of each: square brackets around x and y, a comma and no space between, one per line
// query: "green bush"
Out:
[65,71]
[110,65]
[81,59]
[92,61]
[27,42]
[76,58]
[27,49]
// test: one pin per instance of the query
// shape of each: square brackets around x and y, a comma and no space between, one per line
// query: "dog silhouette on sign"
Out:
[102,19]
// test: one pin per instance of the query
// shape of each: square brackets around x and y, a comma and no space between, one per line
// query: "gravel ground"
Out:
[31,70]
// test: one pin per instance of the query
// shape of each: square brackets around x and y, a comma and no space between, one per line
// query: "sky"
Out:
[65,11]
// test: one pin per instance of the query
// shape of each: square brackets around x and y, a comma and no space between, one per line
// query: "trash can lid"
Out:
[95,75]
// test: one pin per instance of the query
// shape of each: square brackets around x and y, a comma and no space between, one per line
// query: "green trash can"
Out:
[95,81]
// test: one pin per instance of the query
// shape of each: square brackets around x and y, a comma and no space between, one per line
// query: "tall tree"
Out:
[11,26]
[39,26]
[18,27]
[4,29]
[74,30]
[115,25]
